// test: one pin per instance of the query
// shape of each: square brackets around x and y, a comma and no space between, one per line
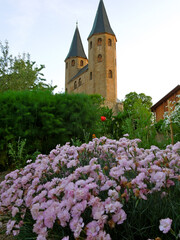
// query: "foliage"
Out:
[104,189]
[20,73]
[133,99]
[44,120]
[173,117]
[138,124]
[16,153]
[135,120]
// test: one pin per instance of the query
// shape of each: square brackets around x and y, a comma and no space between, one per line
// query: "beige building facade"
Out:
[96,74]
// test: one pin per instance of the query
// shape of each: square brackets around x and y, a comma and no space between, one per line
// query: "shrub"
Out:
[44,120]
[105,189]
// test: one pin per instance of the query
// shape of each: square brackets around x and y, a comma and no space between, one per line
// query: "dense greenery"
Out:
[44,120]
[20,73]
[36,121]
[137,121]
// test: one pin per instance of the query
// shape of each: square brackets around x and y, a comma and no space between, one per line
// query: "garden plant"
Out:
[104,189]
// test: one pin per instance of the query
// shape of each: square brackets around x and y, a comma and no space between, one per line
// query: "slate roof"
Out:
[81,71]
[101,22]
[76,49]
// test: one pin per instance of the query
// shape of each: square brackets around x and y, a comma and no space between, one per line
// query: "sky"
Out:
[147,32]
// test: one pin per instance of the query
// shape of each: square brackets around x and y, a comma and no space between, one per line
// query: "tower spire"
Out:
[101,22]
[76,48]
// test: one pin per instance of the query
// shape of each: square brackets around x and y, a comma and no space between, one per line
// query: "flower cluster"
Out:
[85,188]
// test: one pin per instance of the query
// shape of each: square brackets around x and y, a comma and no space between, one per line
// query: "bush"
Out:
[44,120]
[105,189]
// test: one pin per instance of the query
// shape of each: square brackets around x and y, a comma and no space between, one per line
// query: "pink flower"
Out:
[14,211]
[113,194]
[49,217]
[78,209]
[18,202]
[10,226]
[76,225]
[120,216]
[176,146]
[103,235]
[40,237]
[65,238]
[126,135]
[81,193]
[35,211]
[98,210]
[63,216]
[165,225]
[92,229]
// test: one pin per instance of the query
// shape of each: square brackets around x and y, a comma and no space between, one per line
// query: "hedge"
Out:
[44,120]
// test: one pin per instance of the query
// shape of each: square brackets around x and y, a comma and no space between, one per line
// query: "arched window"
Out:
[99,58]
[81,63]
[90,76]
[109,42]
[73,62]
[90,45]
[66,65]
[99,42]
[66,90]
[75,85]
[79,83]
[110,74]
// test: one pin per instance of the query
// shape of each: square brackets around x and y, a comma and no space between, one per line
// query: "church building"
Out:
[96,74]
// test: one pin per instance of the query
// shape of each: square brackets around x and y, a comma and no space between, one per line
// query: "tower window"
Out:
[90,44]
[73,62]
[99,58]
[110,74]
[75,85]
[79,83]
[99,42]
[90,76]
[81,63]
[66,65]
[109,42]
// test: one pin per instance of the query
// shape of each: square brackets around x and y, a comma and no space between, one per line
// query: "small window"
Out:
[66,65]
[66,90]
[90,44]
[90,76]
[73,62]
[99,42]
[99,58]
[81,63]
[109,42]
[79,83]
[75,85]
[110,74]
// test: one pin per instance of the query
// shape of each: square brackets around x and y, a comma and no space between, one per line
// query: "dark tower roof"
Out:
[76,49]
[101,22]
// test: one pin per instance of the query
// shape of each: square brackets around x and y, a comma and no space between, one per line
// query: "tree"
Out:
[138,118]
[20,73]
[134,98]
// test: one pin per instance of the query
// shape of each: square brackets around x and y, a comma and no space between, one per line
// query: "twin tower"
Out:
[97,73]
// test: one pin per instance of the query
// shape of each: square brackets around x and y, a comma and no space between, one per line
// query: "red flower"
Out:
[103,118]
